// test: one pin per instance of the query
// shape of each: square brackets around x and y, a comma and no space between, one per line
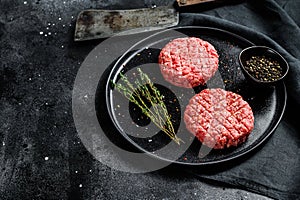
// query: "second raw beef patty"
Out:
[188,62]
[219,118]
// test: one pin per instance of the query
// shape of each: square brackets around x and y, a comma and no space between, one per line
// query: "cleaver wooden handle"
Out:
[192,2]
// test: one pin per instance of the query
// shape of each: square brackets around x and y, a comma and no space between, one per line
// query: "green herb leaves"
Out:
[148,98]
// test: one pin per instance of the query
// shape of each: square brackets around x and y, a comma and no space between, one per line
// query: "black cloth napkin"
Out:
[273,170]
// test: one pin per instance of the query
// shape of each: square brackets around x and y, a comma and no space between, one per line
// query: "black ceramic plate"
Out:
[128,121]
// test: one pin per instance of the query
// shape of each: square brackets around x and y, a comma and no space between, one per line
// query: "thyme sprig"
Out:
[143,91]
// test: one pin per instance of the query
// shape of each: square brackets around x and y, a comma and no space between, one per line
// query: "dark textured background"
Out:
[41,156]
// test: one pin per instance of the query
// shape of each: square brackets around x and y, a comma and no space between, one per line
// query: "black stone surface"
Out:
[41,156]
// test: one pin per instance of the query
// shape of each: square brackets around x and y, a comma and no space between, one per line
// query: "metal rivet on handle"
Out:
[183,1]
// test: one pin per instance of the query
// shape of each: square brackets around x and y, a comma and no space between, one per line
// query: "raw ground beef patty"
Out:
[219,118]
[188,62]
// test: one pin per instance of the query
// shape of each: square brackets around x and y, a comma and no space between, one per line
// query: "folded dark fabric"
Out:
[274,170]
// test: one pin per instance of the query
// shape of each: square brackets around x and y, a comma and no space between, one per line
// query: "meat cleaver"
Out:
[96,24]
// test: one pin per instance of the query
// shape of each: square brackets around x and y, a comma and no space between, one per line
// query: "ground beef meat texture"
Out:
[218,118]
[188,62]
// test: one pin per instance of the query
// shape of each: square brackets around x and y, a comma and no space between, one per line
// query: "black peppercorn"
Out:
[263,68]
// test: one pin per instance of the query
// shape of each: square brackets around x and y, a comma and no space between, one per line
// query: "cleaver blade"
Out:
[96,24]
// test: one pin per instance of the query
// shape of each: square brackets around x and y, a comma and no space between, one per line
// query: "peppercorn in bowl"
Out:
[262,65]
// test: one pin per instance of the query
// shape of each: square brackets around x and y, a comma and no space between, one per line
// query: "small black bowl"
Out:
[268,53]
